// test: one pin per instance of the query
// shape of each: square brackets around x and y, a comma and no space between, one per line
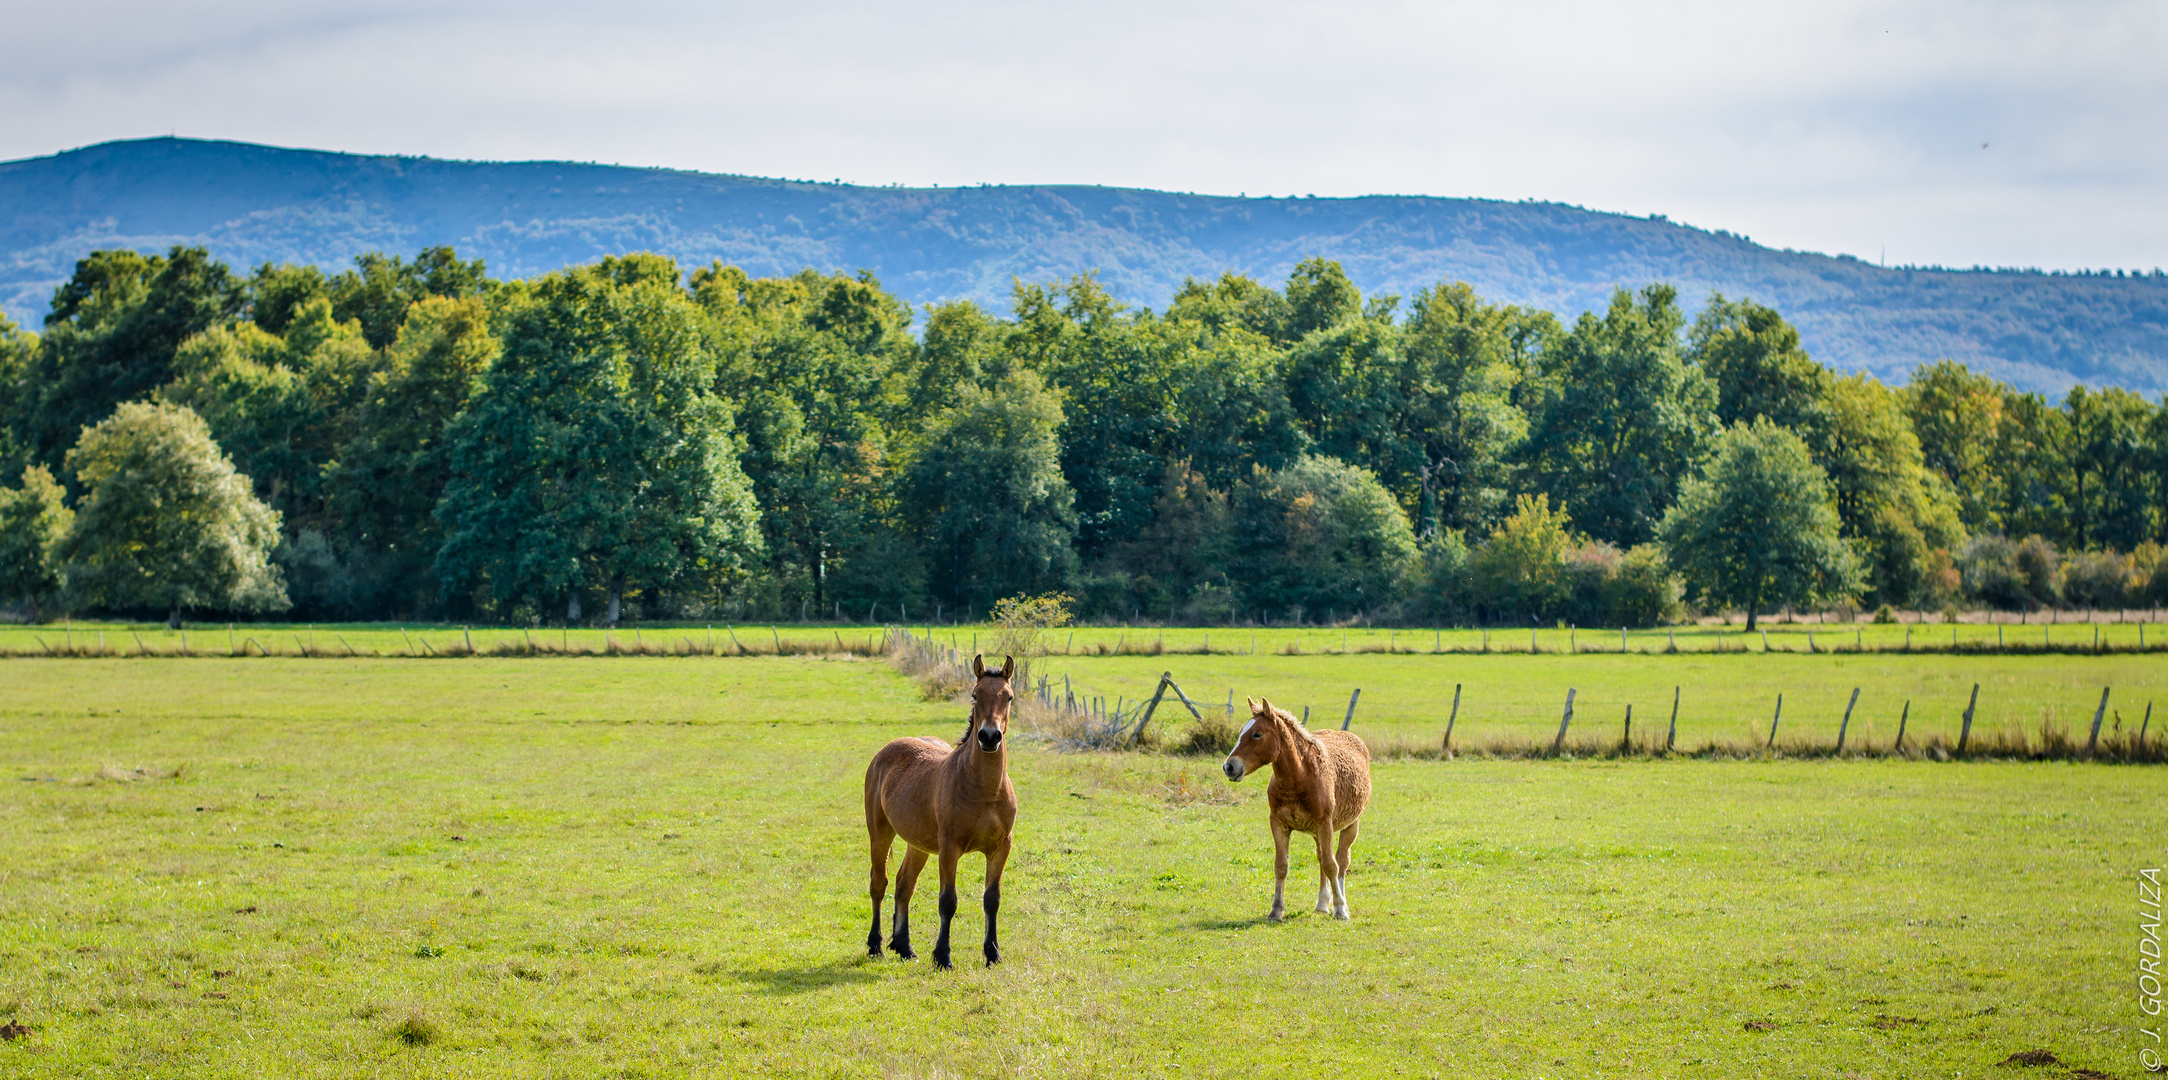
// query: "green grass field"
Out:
[655,867]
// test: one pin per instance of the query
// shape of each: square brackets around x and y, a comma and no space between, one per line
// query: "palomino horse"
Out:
[1320,783]
[944,800]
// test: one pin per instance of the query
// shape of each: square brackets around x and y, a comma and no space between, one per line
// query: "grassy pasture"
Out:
[1725,698]
[653,867]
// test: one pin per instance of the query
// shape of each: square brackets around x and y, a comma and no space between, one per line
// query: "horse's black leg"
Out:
[948,912]
[906,882]
[948,907]
[995,861]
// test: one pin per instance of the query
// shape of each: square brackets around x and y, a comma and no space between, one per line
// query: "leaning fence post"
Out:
[1773,721]
[1847,724]
[1455,715]
[2148,722]
[1351,699]
[1964,734]
[2093,740]
[1672,736]
[1165,677]
[1899,745]
[1563,721]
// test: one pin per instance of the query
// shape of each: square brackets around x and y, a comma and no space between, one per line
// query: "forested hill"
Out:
[254,204]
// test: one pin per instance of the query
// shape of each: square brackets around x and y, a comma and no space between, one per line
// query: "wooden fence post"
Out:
[1847,724]
[1563,722]
[1899,745]
[1964,734]
[1672,736]
[2092,741]
[1626,737]
[1773,720]
[1455,715]
[1351,699]
[2148,722]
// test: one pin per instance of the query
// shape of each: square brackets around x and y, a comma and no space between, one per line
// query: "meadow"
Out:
[654,866]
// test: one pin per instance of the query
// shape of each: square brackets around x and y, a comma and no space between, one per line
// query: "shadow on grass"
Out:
[800,980]
[1230,924]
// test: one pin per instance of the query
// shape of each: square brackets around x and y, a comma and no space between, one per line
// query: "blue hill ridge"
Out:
[252,204]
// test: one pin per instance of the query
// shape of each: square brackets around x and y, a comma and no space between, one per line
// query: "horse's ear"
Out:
[1253,704]
[1264,705]
[978,667]
[1008,666]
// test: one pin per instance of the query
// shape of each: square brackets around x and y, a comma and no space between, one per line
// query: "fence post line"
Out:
[1964,734]
[1563,721]
[1773,720]
[2092,741]
[1455,716]
[1847,724]
[1672,735]
[1351,699]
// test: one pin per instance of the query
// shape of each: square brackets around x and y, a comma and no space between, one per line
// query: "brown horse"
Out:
[1320,783]
[944,801]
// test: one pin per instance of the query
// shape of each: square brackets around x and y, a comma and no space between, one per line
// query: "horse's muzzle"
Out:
[989,739]
[1233,768]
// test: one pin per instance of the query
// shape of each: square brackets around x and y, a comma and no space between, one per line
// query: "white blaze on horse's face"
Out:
[1254,747]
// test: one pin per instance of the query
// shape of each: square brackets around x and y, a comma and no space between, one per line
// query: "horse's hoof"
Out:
[1275,917]
[902,948]
[940,960]
[1342,916]
[993,956]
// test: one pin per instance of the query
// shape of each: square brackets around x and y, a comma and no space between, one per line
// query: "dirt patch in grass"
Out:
[1890,1023]
[2031,1058]
[15,1029]
[1759,1025]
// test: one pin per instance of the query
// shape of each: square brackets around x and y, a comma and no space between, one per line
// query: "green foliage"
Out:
[1901,518]
[1621,418]
[596,455]
[985,494]
[1760,370]
[33,518]
[1757,530]
[112,336]
[1520,570]
[1318,538]
[165,522]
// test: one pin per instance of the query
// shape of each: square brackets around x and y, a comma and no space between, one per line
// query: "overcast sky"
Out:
[2017,134]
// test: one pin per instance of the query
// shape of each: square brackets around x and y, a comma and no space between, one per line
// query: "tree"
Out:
[2108,471]
[985,493]
[1622,418]
[1468,359]
[112,335]
[1958,417]
[165,522]
[1520,570]
[1755,359]
[33,518]
[1757,529]
[1318,536]
[596,455]
[1901,517]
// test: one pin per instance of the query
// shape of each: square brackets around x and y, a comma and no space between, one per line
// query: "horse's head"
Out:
[1262,741]
[990,702]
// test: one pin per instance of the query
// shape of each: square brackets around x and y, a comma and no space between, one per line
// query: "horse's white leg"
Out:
[1347,841]
[1327,867]
[1279,871]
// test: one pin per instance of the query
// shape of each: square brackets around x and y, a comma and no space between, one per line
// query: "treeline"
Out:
[416,439]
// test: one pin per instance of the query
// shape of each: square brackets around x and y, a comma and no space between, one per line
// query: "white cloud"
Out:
[1836,127]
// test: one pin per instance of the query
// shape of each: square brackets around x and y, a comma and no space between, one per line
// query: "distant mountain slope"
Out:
[252,204]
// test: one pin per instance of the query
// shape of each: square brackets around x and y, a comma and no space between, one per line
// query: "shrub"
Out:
[2097,579]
